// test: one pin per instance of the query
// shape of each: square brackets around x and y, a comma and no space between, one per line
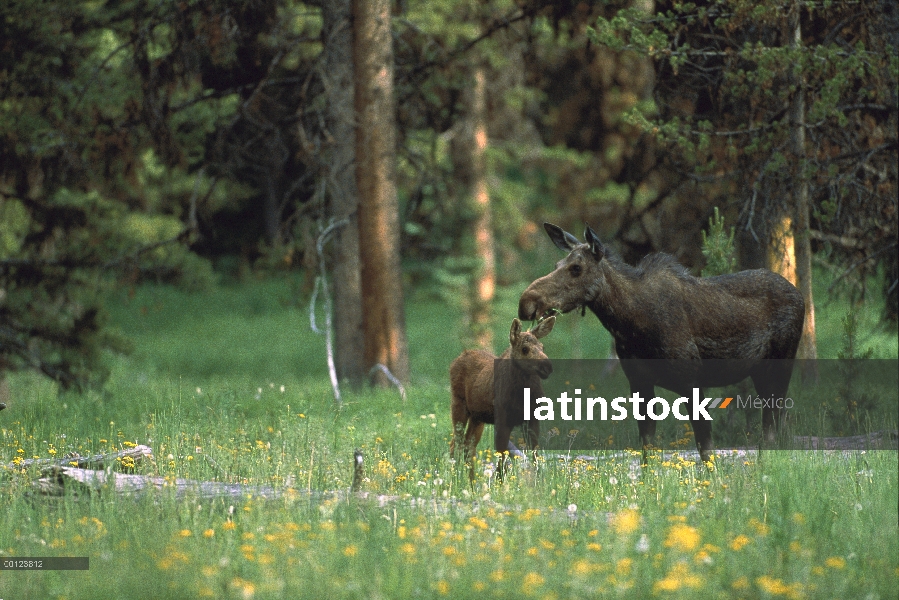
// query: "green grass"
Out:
[231,385]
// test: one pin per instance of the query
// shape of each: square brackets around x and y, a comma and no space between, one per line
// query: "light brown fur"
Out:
[473,391]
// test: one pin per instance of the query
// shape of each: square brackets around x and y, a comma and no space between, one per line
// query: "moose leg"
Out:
[458,433]
[771,386]
[532,434]
[472,437]
[501,434]
[461,418]
[647,426]
[702,431]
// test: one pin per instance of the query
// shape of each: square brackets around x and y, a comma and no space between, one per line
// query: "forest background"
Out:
[195,142]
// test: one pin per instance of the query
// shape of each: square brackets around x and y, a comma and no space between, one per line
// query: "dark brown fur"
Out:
[657,310]
[472,386]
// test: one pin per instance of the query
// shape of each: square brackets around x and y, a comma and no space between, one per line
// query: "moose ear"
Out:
[515,331]
[561,238]
[544,327]
[596,246]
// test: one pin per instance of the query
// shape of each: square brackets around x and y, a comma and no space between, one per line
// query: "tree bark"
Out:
[474,174]
[383,319]
[271,218]
[891,288]
[342,195]
[782,249]
[808,344]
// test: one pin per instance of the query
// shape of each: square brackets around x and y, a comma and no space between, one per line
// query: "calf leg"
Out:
[646,427]
[461,418]
[458,434]
[532,434]
[702,431]
[472,437]
[501,435]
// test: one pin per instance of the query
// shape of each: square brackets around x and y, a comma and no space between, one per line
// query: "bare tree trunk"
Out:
[343,200]
[270,218]
[808,344]
[782,249]
[471,168]
[891,288]
[383,319]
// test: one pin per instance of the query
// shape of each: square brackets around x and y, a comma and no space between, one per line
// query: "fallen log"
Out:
[876,440]
[81,476]
[58,480]
[97,461]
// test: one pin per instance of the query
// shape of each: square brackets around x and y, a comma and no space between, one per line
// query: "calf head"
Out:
[575,281]
[527,350]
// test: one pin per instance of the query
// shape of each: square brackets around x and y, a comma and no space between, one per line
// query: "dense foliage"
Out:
[757,99]
[137,137]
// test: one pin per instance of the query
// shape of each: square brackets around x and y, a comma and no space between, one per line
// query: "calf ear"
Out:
[515,331]
[596,247]
[561,238]
[544,327]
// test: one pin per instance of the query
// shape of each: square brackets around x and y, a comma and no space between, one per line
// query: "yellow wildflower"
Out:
[738,542]
[678,577]
[625,521]
[682,537]
[776,587]
[532,581]
[760,528]
[581,567]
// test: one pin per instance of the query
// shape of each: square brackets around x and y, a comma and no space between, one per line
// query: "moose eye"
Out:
[575,270]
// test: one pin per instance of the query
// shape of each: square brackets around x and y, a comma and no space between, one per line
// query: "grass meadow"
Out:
[231,385]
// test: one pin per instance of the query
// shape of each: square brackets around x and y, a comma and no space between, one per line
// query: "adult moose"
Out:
[708,332]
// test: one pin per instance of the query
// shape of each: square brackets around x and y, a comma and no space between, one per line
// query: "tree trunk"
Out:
[476,179]
[891,288]
[782,249]
[343,201]
[807,345]
[383,320]
[271,218]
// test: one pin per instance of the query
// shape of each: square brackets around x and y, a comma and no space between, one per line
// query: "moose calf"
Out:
[475,401]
